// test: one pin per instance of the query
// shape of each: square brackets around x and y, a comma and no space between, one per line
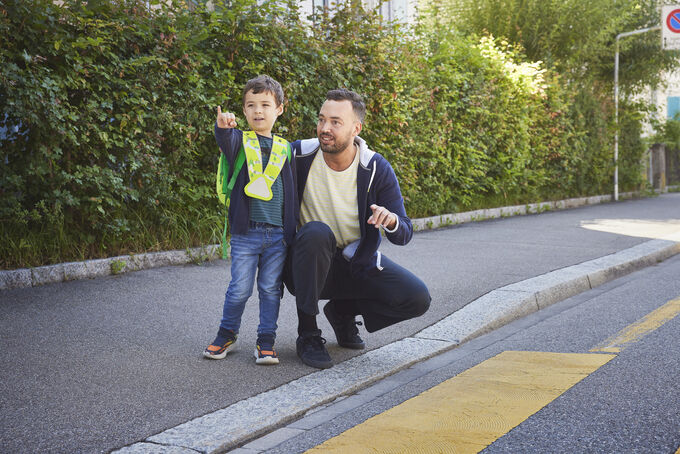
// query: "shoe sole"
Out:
[222,355]
[265,360]
[350,345]
[316,364]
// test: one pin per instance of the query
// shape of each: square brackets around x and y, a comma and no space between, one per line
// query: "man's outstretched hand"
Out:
[382,217]
[225,120]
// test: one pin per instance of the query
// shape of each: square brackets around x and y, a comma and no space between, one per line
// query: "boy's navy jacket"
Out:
[230,142]
[377,184]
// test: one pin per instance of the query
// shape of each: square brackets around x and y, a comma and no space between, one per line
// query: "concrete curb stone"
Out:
[75,271]
[513,301]
[10,279]
[15,278]
[233,425]
[444,220]
[31,277]
[47,274]
[223,429]
[485,314]
[151,448]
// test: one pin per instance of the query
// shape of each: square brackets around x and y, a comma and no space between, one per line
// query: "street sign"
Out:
[670,27]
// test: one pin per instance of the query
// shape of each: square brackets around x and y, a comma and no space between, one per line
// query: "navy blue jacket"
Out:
[230,142]
[377,184]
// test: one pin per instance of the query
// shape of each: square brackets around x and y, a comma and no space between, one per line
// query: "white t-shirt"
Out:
[331,197]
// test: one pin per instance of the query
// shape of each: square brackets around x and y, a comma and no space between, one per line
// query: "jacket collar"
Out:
[309,146]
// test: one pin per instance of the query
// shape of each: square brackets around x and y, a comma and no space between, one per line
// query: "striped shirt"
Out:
[331,197]
[269,211]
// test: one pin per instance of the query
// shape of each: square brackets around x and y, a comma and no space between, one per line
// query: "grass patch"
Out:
[29,245]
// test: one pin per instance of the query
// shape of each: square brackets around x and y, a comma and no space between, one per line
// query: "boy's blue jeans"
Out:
[263,249]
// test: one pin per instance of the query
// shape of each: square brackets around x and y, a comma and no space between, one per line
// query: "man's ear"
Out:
[357,127]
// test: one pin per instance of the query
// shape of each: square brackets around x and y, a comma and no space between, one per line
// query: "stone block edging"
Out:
[226,428]
[444,220]
[31,277]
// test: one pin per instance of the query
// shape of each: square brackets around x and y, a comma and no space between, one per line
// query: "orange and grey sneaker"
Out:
[224,343]
[264,350]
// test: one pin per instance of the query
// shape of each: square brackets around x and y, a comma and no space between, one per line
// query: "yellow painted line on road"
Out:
[641,328]
[471,410]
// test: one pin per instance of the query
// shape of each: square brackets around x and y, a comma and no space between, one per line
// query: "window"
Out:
[673,103]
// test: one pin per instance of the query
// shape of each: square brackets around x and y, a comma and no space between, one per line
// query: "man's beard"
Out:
[337,146]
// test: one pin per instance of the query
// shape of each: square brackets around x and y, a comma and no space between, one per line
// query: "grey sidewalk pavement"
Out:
[60,272]
[95,365]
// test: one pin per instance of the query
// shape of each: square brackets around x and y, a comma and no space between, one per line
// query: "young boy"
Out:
[262,215]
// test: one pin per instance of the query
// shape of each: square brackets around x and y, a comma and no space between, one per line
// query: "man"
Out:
[347,194]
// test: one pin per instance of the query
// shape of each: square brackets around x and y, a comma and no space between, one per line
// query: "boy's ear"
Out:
[279,109]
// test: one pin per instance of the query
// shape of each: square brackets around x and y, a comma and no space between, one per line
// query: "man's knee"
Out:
[415,299]
[421,302]
[314,235]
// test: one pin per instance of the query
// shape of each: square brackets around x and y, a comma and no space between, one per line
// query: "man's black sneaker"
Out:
[345,328]
[311,350]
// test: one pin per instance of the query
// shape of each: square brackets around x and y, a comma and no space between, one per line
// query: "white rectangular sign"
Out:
[670,27]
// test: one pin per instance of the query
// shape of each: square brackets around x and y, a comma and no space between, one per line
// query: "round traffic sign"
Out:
[673,21]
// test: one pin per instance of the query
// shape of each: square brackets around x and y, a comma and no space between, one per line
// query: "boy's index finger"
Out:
[219,110]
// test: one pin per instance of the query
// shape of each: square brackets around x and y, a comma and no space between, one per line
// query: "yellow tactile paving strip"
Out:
[639,329]
[471,410]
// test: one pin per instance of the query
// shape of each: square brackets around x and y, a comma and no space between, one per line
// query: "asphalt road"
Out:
[630,404]
[90,366]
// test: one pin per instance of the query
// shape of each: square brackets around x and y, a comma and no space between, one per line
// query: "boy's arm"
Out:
[228,138]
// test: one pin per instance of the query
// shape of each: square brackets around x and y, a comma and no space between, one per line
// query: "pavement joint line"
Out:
[243,421]
[88,269]
[435,338]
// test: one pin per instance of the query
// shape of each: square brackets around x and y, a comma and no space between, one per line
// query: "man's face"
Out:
[337,126]
[261,111]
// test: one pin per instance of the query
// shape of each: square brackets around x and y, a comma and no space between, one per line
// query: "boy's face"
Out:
[261,111]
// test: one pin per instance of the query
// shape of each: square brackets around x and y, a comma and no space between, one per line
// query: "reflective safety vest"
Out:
[260,182]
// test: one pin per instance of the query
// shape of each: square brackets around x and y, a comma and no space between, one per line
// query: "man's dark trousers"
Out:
[317,270]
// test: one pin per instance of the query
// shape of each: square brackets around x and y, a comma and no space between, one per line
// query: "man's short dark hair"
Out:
[264,83]
[343,94]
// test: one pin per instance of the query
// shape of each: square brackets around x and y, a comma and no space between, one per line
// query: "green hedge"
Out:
[110,108]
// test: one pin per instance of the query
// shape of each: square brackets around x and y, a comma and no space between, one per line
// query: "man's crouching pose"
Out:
[347,194]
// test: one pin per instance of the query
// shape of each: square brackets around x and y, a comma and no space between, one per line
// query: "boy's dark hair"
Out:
[264,83]
[343,94]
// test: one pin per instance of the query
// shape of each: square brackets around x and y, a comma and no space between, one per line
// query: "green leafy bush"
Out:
[109,109]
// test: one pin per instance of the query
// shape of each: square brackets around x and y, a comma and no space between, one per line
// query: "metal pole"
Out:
[616,103]
[616,119]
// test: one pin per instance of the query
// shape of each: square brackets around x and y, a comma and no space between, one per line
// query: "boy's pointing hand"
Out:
[225,120]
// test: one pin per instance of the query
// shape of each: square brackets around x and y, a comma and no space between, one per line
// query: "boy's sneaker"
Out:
[311,350]
[224,343]
[264,350]
[345,328]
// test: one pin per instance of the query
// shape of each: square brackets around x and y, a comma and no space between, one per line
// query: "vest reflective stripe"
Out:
[261,182]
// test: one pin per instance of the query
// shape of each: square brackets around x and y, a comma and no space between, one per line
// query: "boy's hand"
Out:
[225,120]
